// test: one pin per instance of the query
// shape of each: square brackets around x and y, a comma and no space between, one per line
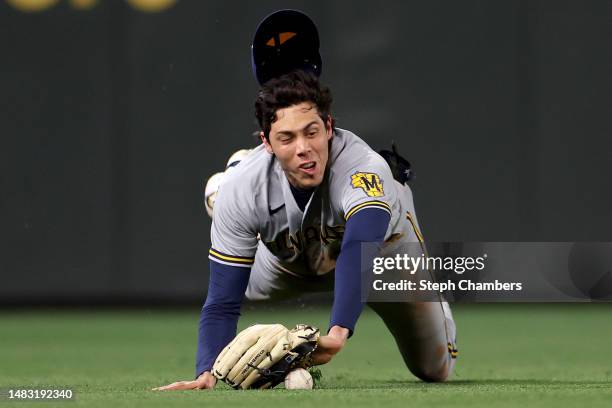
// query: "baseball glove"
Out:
[262,355]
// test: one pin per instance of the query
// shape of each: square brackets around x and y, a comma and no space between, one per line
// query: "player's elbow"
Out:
[223,310]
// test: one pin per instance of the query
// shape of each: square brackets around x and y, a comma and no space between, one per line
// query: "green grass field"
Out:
[532,355]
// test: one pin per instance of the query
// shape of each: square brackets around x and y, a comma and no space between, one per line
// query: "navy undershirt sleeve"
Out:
[220,313]
[367,225]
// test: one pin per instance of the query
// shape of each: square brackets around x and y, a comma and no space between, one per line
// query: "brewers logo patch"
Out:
[370,183]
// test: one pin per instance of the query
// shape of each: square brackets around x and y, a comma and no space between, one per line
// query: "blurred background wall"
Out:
[114,113]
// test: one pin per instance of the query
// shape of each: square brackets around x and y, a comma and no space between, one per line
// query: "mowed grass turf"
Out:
[510,355]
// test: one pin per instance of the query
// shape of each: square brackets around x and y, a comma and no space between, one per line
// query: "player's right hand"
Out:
[206,381]
[330,345]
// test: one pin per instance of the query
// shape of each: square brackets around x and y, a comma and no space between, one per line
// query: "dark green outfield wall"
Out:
[111,119]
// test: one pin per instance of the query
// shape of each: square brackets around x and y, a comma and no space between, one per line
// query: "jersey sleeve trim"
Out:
[232,260]
[368,204]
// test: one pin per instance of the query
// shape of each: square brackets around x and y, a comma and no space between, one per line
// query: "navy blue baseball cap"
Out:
[285,40]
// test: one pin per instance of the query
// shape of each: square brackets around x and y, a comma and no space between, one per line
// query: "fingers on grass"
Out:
[179,385]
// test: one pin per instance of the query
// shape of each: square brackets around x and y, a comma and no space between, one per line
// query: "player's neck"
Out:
[301,196]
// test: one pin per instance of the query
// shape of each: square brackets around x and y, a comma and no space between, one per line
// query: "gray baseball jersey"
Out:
[255,207]
[258,224]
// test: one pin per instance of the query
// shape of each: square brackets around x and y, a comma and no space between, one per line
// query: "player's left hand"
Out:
[330,345]
[205,381]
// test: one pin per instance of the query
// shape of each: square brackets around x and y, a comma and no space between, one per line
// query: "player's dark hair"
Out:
[288,90]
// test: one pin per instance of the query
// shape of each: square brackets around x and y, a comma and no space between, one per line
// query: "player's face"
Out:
[299,140]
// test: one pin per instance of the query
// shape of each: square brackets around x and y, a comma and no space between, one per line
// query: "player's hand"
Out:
[330,345]
[205,381]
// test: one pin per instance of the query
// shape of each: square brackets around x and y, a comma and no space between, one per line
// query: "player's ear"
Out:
[266,142]
[329,123]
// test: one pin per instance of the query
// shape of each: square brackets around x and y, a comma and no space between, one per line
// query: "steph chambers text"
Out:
[462,285]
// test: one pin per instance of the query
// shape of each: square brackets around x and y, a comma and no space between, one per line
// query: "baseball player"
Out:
[291,218]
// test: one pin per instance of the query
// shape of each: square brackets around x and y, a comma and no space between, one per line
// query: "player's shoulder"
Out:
[359,177]
[250,174]
[349,153]
[244,185]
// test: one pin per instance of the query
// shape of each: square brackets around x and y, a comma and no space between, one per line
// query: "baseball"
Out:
[299,379]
